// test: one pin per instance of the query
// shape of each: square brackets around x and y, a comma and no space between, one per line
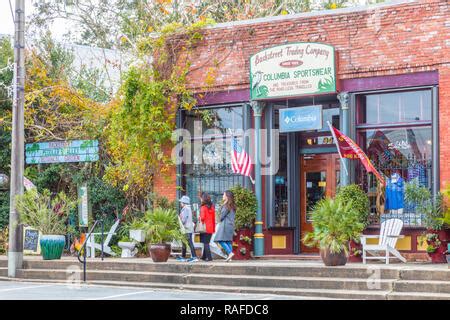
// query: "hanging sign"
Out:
[293,69]
[83,205]
[301,119]
[62,151]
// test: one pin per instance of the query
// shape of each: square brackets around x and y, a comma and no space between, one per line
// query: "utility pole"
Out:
[15,249]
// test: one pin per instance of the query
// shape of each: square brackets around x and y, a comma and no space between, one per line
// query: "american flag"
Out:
[240,160]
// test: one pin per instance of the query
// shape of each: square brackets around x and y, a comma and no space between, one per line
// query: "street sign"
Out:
[62,151]
[301,119]
[83,205]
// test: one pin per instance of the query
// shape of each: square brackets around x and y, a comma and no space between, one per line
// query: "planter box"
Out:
[138,235]
[243,248]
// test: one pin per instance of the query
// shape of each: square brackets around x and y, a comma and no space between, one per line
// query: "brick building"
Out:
[389,91]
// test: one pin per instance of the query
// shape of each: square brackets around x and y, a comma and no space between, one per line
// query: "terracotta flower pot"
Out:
[333,259]
[160,252]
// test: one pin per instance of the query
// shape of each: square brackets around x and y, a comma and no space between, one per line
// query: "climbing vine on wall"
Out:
[142,118]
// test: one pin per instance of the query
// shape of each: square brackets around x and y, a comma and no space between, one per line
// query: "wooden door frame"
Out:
[332,165]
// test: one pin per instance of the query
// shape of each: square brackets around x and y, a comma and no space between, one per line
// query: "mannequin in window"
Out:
[395,193]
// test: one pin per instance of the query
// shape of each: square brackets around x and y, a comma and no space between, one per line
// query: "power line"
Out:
[12,12]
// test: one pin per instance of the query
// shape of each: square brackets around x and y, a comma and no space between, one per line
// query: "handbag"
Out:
[200,227]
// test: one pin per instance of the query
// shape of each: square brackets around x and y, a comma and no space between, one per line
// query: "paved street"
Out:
[44,291]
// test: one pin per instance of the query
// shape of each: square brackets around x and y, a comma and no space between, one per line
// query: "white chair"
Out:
[389,234]
[92,245]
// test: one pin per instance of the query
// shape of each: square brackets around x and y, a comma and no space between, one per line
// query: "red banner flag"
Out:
[348,149]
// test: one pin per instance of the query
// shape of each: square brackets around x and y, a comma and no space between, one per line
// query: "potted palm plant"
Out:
[162,227]
[48,215]
[335,223]
[246,207]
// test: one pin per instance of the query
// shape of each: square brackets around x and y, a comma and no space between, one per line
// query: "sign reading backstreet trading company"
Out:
[292,69]
[301,119]
[62,151]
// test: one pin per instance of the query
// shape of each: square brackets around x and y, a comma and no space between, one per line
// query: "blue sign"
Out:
[301,119]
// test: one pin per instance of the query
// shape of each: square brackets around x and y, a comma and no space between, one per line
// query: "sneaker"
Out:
[181,259]
[192,260]
[231,255]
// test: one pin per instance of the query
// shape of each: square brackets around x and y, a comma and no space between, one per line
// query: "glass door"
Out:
[319,179]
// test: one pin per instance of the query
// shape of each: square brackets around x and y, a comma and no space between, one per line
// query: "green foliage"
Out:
[43,212]
[432,207]
[6,74]
[335,223]
[246,207]
[4,209]
[162,202]
[3,241]
[162,226]
[355,194]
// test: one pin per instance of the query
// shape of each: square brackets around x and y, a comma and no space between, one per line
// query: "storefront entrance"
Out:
[319,176]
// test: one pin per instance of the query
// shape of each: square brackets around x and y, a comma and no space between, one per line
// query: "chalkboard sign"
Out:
[31,240]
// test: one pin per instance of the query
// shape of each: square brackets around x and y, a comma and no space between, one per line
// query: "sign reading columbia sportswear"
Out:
[292,69]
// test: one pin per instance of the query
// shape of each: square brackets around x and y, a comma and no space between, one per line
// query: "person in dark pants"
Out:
[186,220]
[208,217]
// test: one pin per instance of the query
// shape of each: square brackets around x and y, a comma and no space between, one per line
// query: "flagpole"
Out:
[337,146]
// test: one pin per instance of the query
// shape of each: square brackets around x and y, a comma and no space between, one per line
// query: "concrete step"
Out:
[422,286]
[235,268]
[418,296]
[430,274]
[209,279]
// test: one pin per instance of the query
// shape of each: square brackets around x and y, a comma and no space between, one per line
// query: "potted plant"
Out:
[246,207]
[433,209]
[355,194]
[137,229]
[162,227]
[48,215]
[335,224]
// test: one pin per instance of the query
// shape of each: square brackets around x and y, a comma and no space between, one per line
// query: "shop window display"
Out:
[401,154]
[212,172]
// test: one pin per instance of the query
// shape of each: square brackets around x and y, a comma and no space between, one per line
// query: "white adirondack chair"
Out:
[91,245]
[389,234]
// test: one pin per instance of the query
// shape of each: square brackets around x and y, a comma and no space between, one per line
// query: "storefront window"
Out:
[399,107]
[211,170]
[402,154]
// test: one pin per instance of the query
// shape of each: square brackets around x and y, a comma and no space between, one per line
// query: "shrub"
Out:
[246,207]
[41,211]
[4,209]
[353,193]
[432,207]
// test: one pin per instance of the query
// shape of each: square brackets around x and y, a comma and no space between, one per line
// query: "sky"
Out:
[7,24]
[58,29]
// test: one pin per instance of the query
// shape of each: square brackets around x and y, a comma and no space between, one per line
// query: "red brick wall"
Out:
[389,40]
[165,183]
[444,122]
